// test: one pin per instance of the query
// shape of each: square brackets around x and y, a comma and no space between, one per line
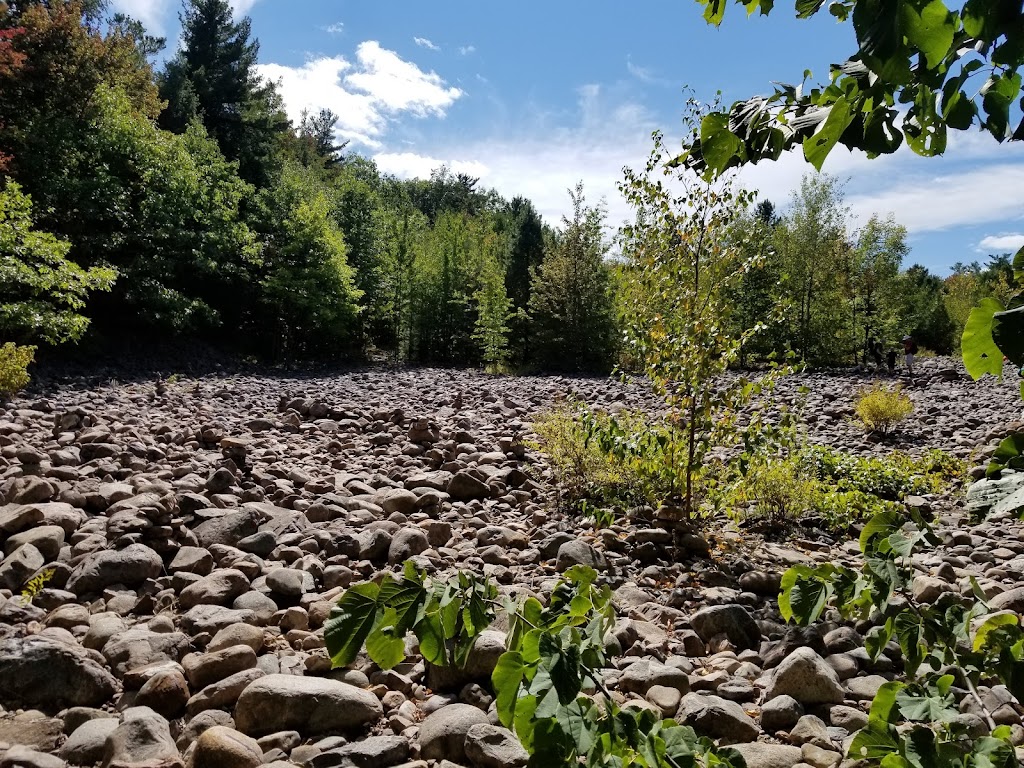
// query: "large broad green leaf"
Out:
[909,633]
[350,623]
[884,703]
[981,355]
[576,724]
[930,29]
[1009,453]
[991,624]
[879,528]
[432,639]
[385,645]
[818,145]
[805,600]
[989,752]
[874,741]
[506,678]
[1008,334]
[719,145]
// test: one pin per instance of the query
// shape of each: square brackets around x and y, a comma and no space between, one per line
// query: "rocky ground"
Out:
[194,536]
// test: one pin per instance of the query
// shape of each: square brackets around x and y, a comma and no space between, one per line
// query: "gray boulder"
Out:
[129,566]
[51,675]
[307,704]
[733,621]
[806,677]
[443,733]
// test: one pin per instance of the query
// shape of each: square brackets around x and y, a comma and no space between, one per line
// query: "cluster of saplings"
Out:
[184,203]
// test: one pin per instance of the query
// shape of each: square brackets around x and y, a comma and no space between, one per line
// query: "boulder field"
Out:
[171,553]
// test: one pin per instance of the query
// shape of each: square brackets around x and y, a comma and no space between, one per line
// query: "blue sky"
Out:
[534,96]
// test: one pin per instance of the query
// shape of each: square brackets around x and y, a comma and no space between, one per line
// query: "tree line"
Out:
[184,203]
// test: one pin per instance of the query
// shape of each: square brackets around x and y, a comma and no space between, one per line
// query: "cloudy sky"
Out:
[534,96]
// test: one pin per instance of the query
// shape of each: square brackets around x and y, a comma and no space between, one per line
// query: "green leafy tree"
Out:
[960,293]
[404,231]
[755,295]
[42,292]
[163,210]
[493,310]
[925,315]
[682,268]
[571,304]
[814,254]
[458,253]
[920,69]
[57,57]
[524,231]
[213,77]
[877,305]
[308,303]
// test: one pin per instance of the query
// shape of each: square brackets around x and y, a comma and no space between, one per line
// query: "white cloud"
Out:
[465,50]
[927,203]
[545,166]
[334,29]
[1007,243]
[425,43]
[408,165]
[366,94]
[241,7]
[152,13]
[399,85]
[979,182]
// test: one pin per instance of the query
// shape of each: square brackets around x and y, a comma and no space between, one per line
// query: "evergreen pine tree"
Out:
[214,78]
[571,302]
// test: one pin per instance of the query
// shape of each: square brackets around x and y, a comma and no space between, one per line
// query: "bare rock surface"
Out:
[192,541]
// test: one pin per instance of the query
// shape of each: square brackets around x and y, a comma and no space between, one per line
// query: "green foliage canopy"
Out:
[920,69]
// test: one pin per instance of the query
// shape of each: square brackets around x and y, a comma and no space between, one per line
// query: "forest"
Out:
[177,201]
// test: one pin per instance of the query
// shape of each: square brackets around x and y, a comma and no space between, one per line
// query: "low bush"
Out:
[841,488]
[777,488]
[14,363]
[880,408]
[583,471]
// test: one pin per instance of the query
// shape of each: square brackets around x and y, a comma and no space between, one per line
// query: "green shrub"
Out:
[778,488]
[14,363]
[582,470]
[880,408]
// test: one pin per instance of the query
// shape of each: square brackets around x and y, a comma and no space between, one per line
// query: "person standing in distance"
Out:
[909,350]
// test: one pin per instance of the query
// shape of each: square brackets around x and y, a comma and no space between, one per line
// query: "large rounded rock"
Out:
[307,704]
[129,566]
[86,743]
[43,673]
[759,755]
[407,543]
[142,740]
[219,588]
[464,487]
[221,747]
[489,746]
[443,733]
[578,552]
[717,717]
[18,567]
[733,621]
[806,677]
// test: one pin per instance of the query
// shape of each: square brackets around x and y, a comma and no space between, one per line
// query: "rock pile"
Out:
[181,551]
